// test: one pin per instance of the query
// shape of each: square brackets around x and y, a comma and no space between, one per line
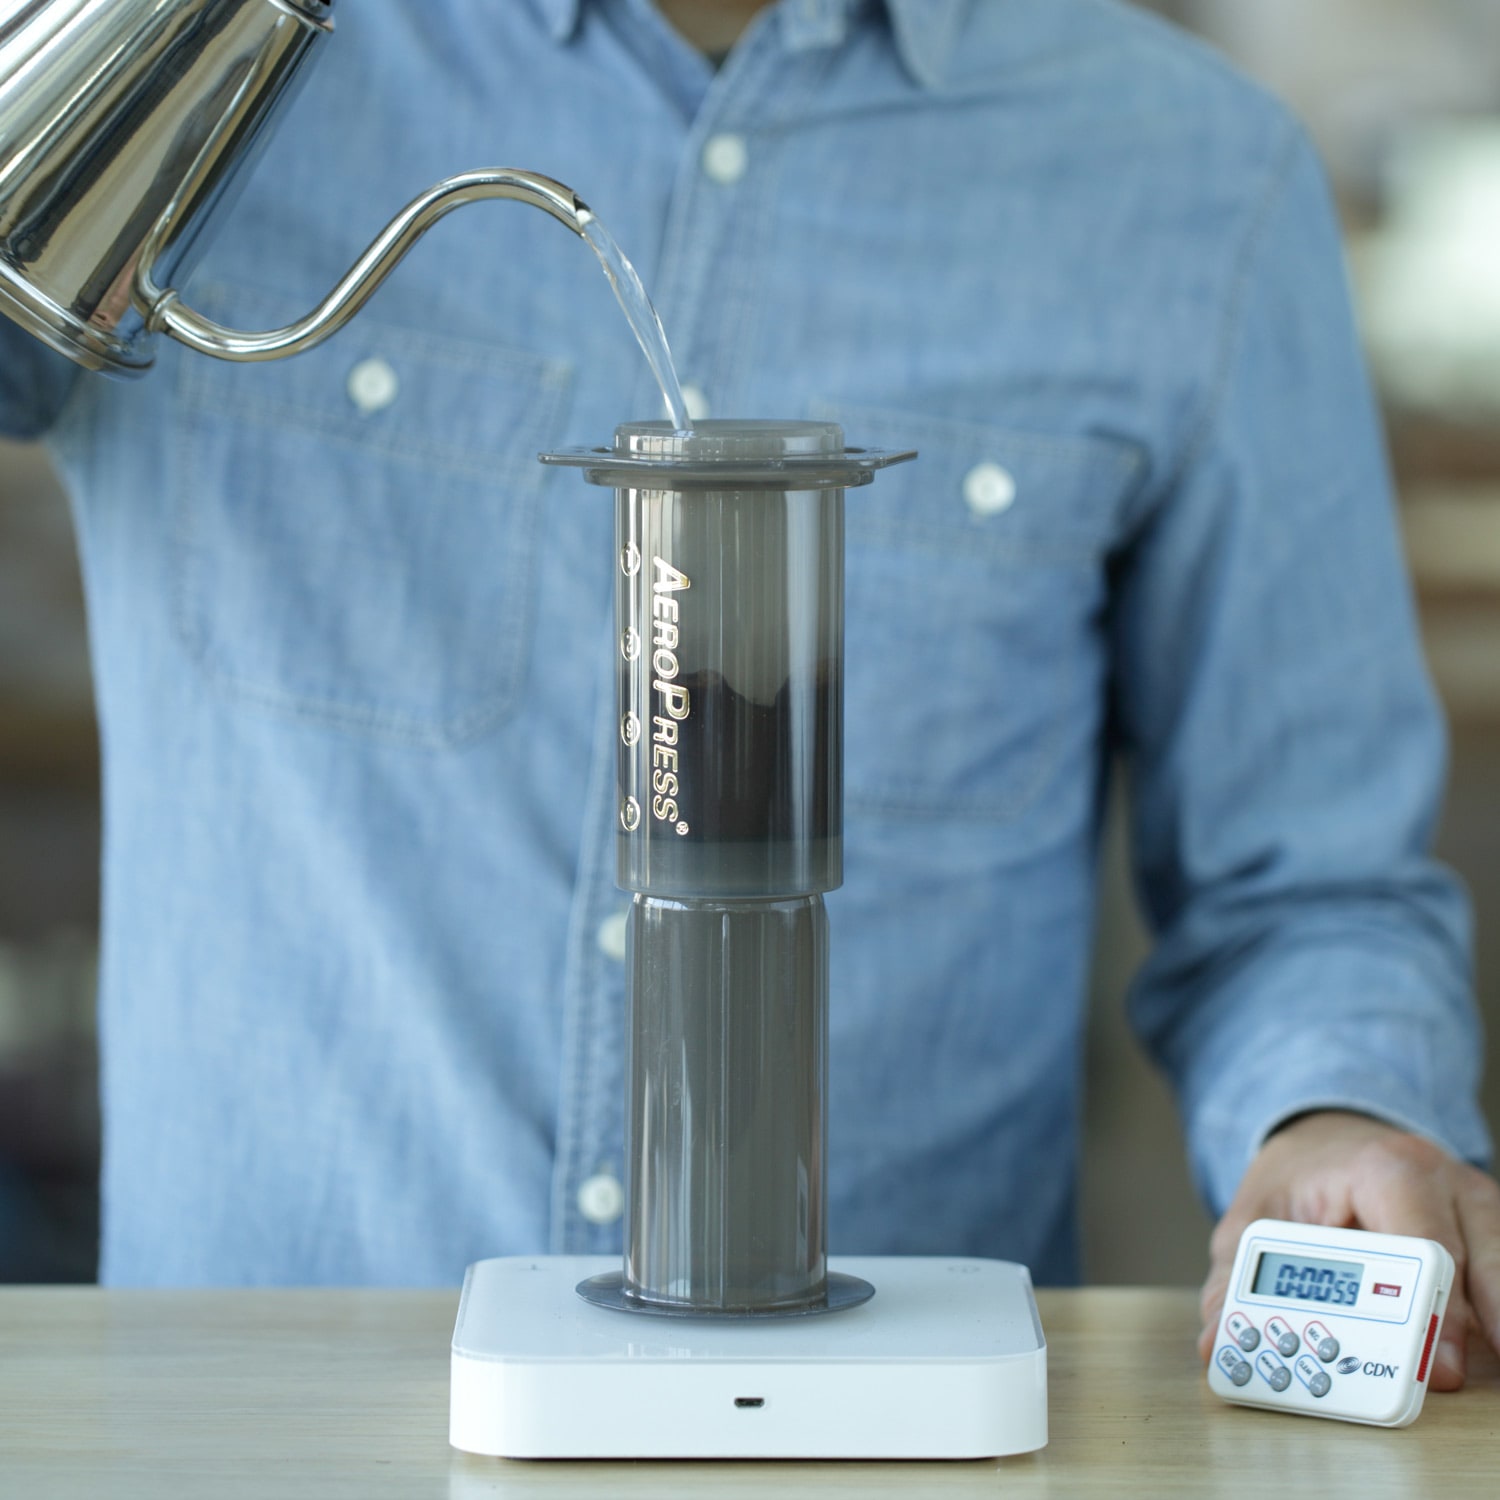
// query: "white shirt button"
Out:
[601,1199]
[696,402]
[372,385]
[989,489]
[611,937]
[725,158]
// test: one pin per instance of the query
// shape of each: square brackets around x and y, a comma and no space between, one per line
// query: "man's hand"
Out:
[1350,1171]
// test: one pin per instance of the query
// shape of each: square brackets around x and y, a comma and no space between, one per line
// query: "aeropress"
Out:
[729,617]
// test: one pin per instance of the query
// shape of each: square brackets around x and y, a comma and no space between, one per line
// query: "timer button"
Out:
[1273,1372]
[1321,1342]
[1279,1331]
[1314,1378]
[1237,1369]
[1242,1331]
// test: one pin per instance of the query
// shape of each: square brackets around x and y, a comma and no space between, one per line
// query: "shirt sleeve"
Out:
[34,383]
[1285,751]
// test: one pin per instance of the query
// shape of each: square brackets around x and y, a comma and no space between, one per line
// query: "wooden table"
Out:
[292,1394]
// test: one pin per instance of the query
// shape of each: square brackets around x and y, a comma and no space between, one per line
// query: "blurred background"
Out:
[1403,97]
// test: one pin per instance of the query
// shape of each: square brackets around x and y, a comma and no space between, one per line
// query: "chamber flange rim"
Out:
[796,471]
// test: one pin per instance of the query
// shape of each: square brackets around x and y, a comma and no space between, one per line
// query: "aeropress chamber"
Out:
[729,623]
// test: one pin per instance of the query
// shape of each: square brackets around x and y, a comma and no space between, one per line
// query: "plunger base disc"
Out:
[609,1291]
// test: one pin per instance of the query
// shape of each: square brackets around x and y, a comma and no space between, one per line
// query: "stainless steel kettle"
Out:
[123,127]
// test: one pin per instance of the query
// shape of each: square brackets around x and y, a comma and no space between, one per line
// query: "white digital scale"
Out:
[1331,1322]
[947,1360]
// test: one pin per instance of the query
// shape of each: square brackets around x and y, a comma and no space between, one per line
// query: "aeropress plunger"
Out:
[729,620]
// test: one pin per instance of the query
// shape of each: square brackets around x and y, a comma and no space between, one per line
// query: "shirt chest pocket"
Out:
[975,669]
[356,526]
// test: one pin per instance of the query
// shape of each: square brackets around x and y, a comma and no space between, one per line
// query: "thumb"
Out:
[1248,1205]
[1210,1306]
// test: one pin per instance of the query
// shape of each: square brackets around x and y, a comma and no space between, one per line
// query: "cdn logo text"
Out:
[1371,1368]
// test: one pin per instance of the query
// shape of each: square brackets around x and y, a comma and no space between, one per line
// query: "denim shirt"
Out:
[362,990]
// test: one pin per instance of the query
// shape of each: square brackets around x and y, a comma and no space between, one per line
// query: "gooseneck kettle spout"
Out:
[124,128]
[167,313]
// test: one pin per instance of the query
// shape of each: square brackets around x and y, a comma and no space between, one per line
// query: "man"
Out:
[361,994]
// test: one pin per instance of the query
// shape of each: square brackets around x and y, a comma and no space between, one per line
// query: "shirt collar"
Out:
[561,17]
[925,29]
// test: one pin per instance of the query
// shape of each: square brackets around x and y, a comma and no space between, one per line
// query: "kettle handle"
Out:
[166,312]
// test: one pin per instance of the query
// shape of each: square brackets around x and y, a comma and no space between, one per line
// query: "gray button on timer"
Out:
[1237,1369]
[1321,1342]
[1244,1332]
[1316,1380]
[1273,1372]
[1282,1336]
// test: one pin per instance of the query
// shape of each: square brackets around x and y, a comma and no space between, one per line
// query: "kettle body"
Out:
[123,126]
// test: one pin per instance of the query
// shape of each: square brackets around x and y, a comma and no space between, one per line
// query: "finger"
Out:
[1223,1244]
[1479,1217]
[1212,1305]
[1407,1191]
[1450,1360]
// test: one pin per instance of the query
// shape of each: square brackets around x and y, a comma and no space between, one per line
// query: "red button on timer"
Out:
[1427,1349]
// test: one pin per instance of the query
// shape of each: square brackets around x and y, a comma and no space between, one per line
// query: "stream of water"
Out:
[642,316]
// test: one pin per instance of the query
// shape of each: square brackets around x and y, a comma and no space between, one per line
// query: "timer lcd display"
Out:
[1298,1278]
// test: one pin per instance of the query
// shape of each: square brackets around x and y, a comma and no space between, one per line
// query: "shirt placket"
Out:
[588,1196]
[706,286]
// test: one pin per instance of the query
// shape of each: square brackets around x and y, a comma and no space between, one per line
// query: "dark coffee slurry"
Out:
[752,790]
[762,771]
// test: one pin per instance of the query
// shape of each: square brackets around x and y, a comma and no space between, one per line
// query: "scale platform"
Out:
[947,1360]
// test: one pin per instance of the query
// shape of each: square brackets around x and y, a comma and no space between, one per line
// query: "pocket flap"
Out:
[446,403]
[974,664]
[356,524]
[1004,493]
